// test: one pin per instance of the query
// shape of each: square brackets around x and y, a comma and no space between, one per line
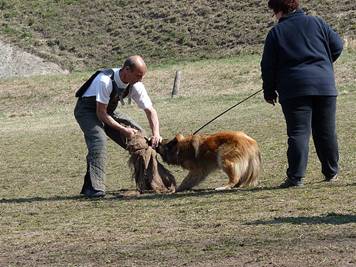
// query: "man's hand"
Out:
[129,132]
[155,140]
[101,111]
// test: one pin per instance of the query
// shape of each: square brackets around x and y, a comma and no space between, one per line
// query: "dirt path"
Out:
[16,62]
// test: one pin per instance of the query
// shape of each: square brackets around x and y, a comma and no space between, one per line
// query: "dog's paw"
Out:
[221,188]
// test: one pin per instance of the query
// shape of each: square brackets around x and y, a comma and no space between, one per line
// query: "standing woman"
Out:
[297,67]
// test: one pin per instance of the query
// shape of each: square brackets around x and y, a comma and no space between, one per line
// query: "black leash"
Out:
[227,111]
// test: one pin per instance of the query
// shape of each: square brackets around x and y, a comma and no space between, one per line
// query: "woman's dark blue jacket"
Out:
[298,57]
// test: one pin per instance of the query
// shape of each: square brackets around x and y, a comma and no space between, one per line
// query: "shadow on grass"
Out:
[38,199]
[201,192]
[128,195]
[192,193]
[330,218]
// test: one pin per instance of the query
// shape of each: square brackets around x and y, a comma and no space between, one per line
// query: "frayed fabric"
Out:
[148,172]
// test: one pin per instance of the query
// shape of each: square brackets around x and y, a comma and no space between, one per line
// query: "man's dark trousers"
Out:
[316,115]
[95,134]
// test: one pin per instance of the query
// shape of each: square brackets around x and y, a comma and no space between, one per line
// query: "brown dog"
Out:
[235,153]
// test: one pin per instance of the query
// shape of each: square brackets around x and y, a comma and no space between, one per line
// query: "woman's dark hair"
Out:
[286,6]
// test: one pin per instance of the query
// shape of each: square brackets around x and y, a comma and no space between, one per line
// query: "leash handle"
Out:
[227,111]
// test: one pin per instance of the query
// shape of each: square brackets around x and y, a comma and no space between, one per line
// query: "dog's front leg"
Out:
[193,178]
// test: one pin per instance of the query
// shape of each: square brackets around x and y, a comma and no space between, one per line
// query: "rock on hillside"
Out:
[16,62]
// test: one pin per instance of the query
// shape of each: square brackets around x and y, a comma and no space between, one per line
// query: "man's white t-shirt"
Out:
[101,87]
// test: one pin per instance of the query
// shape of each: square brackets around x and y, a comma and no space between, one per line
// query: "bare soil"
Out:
[17,62]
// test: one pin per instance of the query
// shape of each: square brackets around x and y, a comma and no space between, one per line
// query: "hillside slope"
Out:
[82,34]
[16,62]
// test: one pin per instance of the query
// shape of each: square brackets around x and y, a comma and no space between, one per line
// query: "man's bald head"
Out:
[135,62]
[134,69]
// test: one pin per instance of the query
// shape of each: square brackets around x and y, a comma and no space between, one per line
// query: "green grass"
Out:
[44,221]
[82,35]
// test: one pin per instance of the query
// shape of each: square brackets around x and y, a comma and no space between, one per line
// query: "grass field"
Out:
[44,221]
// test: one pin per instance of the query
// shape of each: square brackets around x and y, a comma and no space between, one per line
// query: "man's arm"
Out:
[152,118]
[108,120]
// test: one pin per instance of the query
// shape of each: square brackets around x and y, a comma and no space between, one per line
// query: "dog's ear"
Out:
[196,145]
[179,137]
[172,143]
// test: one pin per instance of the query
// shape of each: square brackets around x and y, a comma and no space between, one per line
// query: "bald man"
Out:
[96,114]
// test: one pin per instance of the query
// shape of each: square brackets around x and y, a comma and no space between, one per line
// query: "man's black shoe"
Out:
[291,183]
[94,193]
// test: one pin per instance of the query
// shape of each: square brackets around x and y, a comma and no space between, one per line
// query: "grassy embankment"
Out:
[82,35]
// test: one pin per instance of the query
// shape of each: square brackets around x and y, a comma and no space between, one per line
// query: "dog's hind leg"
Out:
[192,179]
[233,172]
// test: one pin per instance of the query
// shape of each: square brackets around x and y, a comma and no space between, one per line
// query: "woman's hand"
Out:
[272,101]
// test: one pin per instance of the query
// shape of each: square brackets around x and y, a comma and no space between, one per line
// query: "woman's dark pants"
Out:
[316,115]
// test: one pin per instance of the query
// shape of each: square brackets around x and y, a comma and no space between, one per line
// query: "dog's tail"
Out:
[251,168]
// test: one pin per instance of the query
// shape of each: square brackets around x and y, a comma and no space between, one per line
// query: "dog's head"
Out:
[169,149]
[179,149]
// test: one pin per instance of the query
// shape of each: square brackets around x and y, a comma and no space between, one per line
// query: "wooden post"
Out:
[176,83]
